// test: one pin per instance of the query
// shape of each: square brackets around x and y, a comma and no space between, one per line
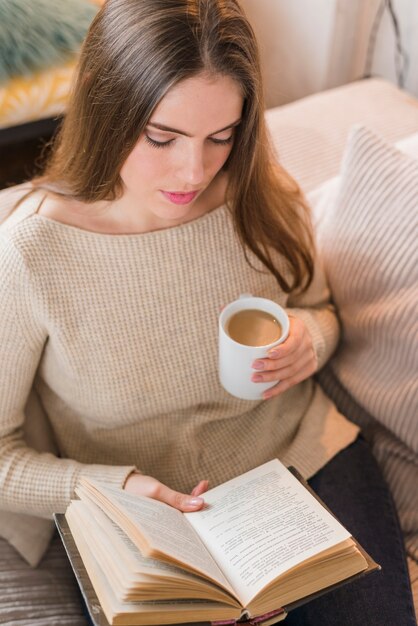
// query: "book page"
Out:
[164,528]
[136,613]
[131,574]
[127,551]
[261,524]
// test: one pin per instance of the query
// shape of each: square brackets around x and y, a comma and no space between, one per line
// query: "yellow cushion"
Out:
[42,95]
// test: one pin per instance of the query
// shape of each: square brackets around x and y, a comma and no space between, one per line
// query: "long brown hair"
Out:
[135,51]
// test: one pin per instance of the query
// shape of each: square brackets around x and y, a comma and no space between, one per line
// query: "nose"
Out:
[192,170]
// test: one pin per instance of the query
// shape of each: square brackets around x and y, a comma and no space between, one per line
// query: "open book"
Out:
[262,544]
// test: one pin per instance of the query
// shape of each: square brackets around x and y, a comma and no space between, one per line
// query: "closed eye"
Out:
[162,144]
[222,142]
[157,144]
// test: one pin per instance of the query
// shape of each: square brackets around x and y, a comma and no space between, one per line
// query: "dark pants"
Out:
[352,486]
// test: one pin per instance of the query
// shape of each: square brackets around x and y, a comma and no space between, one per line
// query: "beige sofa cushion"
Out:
[309,135]
[368,241]
[367,232]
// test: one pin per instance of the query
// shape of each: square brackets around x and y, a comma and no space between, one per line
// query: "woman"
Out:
[159,205]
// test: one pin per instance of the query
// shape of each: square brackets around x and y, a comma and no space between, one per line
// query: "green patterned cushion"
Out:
[35,34]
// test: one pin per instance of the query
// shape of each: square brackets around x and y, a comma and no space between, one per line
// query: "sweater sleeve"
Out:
[318,313]
[32,482]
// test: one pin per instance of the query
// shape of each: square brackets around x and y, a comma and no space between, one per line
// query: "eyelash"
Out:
[165,144]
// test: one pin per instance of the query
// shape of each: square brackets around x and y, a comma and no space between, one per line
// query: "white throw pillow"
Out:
[367,229]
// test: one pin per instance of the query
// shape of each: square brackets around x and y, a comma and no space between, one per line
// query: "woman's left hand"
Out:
[288,363]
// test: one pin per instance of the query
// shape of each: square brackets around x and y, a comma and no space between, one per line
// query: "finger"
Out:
[283,352]
[284,385]
[178,500]
[296,338]
[305,362]
[268,364]
[200,488]
[288,346]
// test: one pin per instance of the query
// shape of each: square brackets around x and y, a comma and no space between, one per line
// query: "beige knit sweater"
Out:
[118,335]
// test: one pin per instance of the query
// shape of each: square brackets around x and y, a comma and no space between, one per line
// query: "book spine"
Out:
[252,621]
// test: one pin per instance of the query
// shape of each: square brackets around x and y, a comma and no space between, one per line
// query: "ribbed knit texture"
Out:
[368,240]
[120,334]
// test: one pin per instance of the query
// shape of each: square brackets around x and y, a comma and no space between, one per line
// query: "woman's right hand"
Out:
[139,484]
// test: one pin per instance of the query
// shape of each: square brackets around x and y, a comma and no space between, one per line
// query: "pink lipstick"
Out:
[180,198]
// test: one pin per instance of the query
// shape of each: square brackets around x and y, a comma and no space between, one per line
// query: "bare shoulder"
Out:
[59,209]
[72,212]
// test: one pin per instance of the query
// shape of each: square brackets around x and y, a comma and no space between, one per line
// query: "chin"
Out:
[174,214]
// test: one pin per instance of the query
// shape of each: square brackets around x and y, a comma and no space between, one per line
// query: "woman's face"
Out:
[185,144]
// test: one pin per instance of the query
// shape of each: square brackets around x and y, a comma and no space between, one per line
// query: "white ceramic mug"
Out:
[236,359]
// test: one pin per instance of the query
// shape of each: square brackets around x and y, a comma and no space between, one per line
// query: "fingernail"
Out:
[258,365]
[274,354]
[257,378]
[194,501]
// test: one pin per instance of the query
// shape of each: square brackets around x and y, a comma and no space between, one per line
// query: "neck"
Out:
[123,215]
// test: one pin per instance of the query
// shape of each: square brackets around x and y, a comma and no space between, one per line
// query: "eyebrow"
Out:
[181,132]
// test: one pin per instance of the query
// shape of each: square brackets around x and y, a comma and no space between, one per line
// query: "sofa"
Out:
[354,152]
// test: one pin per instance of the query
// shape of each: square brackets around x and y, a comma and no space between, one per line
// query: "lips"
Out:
[180,198]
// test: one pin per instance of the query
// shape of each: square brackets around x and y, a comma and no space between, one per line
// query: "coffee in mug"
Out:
[253,327]
[249,328]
